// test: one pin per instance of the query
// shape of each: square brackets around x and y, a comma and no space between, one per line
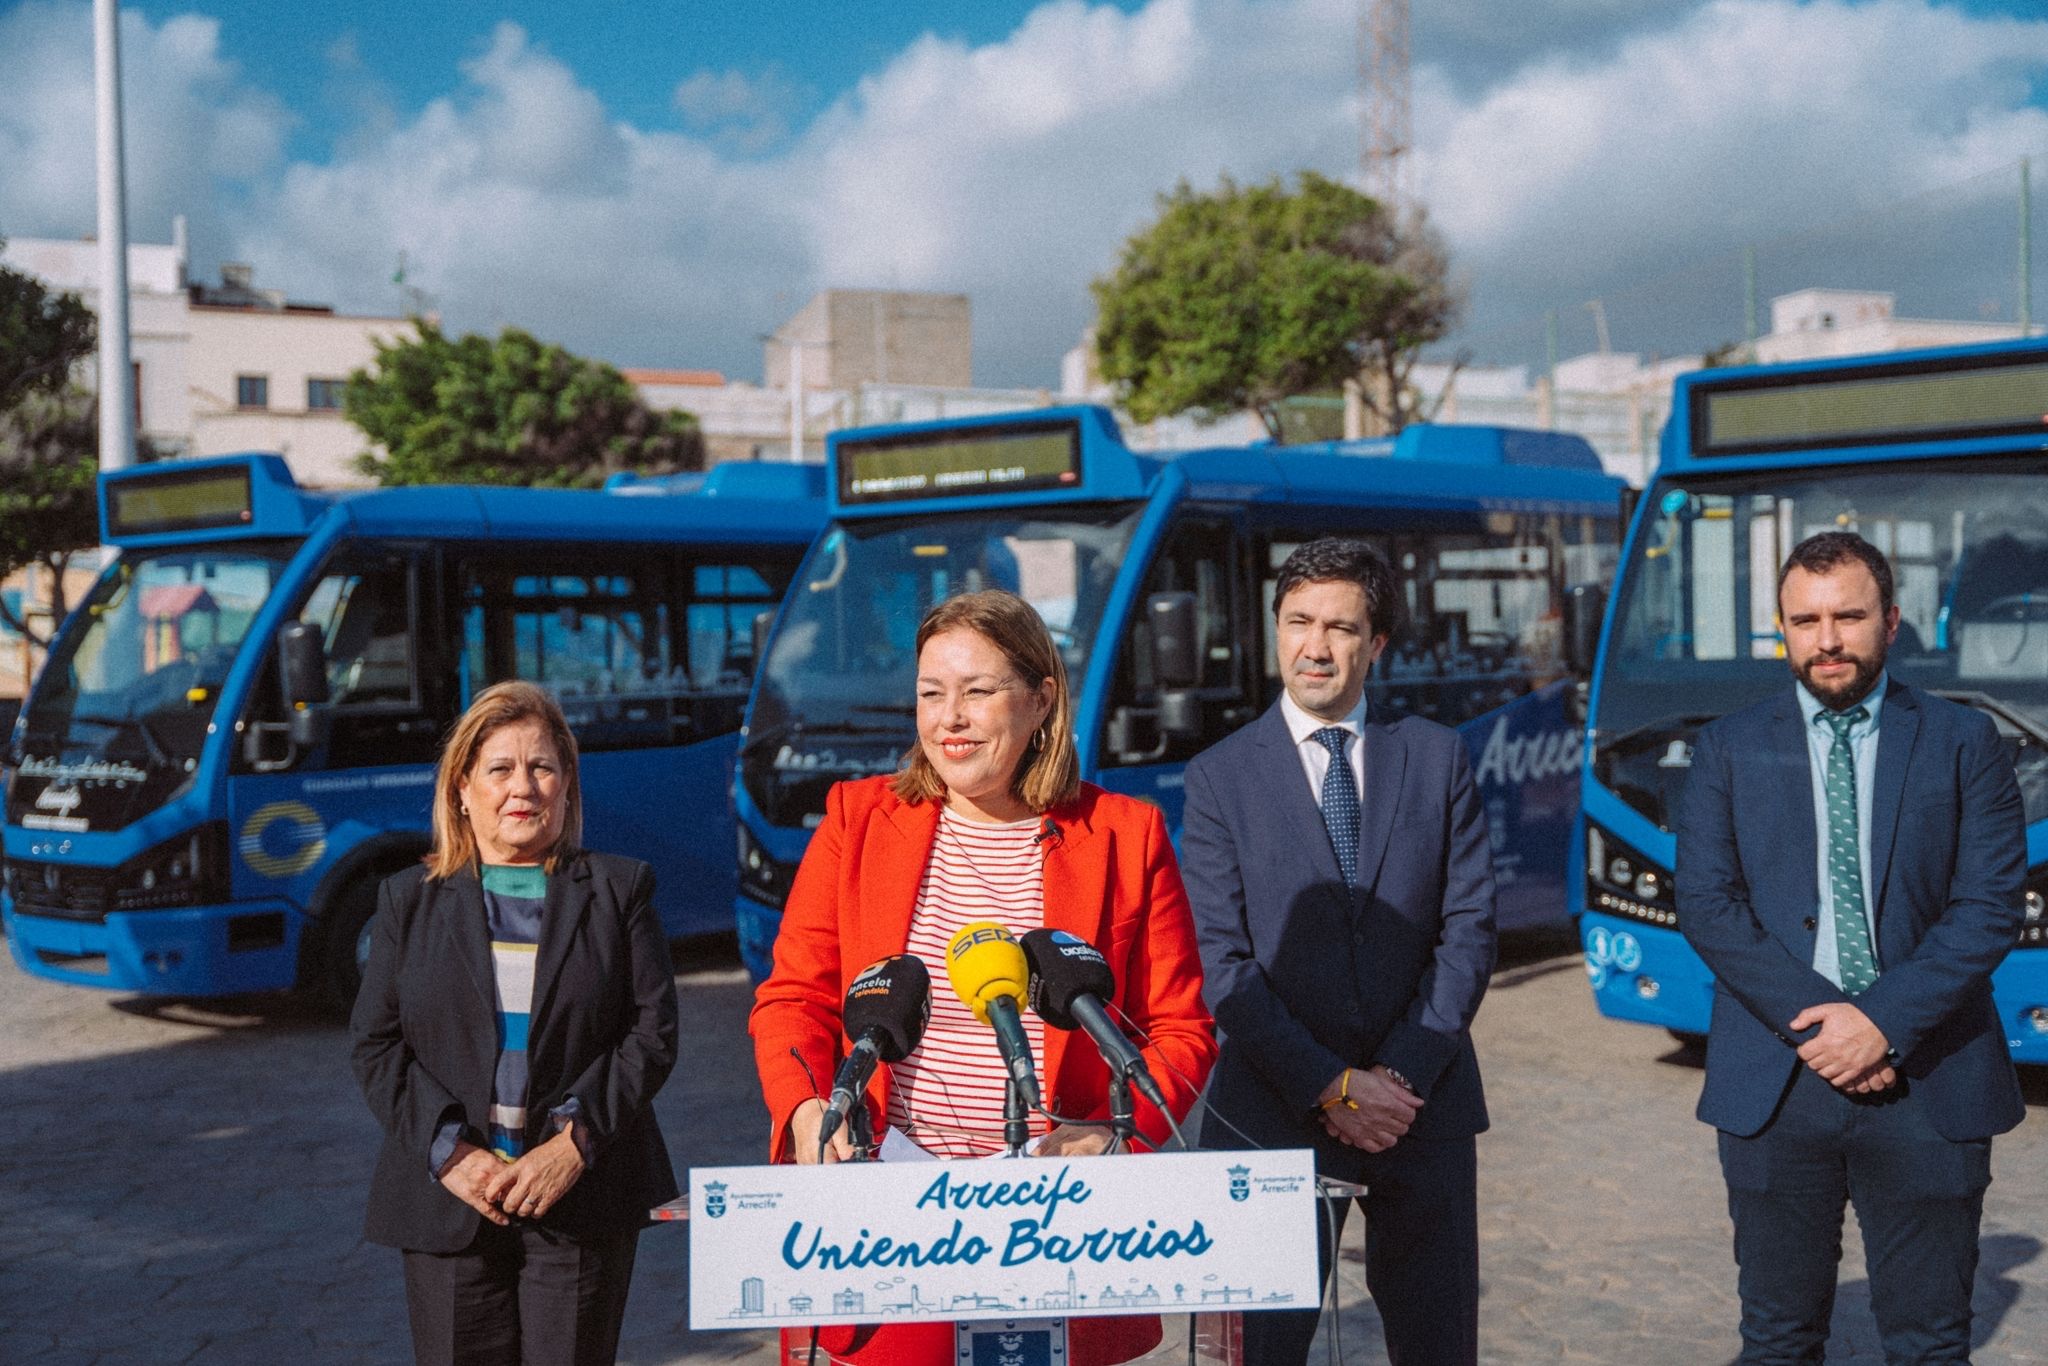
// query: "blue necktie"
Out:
[1857,962]
[1340,802]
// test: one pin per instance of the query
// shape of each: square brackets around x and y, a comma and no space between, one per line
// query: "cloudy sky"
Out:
[661,184]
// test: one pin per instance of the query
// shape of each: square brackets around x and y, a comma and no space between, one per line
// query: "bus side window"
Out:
[718,635]
[724,599]
[1198,558]
[591,629]
[364,609]
[1485,616]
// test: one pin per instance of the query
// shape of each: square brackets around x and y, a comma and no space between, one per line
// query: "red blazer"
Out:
[1110,877]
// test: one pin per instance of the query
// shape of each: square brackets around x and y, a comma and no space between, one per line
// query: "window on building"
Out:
[252,391]
[324,395]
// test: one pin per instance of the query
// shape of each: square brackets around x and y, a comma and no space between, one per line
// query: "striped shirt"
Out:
[513,900]
[948,1094]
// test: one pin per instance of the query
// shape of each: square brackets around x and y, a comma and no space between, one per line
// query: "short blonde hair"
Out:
[496,707]
[1051,771]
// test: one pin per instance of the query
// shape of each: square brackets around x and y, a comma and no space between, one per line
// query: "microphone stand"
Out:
[1016,1119]
[1123,1121]
[860,1132]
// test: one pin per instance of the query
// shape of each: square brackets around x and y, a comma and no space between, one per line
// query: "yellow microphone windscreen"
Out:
[985,962]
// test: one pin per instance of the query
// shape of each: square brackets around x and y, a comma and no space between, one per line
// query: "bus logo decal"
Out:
[1527,758]
[299,840]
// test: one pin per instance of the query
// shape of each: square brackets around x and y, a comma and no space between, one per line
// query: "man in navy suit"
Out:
[1851,863]
[1338,867]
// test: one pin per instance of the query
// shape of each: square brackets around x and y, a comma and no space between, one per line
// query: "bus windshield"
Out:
[835,698]
[117,720]
[1696,634]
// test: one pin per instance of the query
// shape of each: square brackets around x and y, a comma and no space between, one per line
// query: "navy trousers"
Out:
[1421,1260]
[1918,1197]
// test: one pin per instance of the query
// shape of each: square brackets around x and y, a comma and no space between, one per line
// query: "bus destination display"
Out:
[1764,414]
[957,463]
[195,501]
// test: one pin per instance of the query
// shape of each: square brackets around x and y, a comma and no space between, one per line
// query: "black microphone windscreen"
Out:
[893,998]
[1064,967]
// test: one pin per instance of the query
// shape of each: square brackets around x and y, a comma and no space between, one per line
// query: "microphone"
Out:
[1069,979]
[1049,831]
[887,1007]
[988,972]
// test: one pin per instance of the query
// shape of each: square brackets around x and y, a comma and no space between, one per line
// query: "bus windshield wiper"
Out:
[151,746]
[1998,711]
[1678,720]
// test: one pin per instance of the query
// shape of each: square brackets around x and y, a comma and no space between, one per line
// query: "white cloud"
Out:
[1748,120]
[1604,145]
[196,134]
[748,114]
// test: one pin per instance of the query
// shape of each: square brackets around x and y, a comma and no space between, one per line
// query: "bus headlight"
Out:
[761,877]
[185,871]
[1621,881]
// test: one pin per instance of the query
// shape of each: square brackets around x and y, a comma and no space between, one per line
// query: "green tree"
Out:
[1244,297]
[469,410]
[49,436]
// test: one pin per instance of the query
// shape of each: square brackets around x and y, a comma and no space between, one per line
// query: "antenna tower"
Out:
[1386,131]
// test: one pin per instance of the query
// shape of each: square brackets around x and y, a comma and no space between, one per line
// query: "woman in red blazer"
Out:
[889,871]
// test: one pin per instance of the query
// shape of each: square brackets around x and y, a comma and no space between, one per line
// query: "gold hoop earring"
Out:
[1042,739]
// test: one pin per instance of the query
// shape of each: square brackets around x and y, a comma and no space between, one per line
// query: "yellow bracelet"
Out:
[1343,1096]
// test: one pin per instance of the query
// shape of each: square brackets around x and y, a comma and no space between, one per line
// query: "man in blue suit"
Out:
[1337,861]
[1851,857]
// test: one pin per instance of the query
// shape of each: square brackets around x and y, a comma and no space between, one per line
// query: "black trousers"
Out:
[1918,1196]
[1421,1260]
[520,1296]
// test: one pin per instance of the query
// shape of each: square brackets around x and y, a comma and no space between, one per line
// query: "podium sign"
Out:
[871,1242]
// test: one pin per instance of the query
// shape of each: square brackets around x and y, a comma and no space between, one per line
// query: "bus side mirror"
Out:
[302,665]
[302,668]
[1584,606]
[1176,653]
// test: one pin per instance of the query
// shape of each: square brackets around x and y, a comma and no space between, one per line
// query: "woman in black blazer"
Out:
[517,1017]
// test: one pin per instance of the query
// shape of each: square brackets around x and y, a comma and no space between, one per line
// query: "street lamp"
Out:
[795,347]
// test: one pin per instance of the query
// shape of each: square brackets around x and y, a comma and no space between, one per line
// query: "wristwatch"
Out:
[1398,1079]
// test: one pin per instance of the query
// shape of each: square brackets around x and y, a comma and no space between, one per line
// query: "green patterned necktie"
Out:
[1857,963]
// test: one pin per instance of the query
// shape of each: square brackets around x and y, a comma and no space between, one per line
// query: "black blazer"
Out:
[1948,861]
[1307,977]
[603,1029]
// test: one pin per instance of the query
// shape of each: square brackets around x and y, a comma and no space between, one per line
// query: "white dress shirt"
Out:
[1315,760]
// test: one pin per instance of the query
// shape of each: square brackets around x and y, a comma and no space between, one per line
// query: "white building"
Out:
[225,368]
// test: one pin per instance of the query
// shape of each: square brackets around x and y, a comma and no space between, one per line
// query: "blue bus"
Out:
[1156,577]
[1940,459]
[233,740]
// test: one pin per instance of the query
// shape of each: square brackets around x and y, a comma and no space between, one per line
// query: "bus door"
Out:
[648,651]
[1196,594]
[320,825]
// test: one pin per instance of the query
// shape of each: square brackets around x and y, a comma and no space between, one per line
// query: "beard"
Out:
[1845,693]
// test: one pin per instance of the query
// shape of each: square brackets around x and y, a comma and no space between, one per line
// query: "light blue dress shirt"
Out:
[1820,739]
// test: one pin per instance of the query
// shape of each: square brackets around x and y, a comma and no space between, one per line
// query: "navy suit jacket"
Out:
[1947,869]
[603,1029]
[1307,977]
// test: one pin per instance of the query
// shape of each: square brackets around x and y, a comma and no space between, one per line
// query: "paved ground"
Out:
[184,1183]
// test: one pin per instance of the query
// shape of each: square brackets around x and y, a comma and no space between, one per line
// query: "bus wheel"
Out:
[345,942]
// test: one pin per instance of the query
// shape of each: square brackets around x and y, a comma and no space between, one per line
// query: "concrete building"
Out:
[845,338]
[847,358]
